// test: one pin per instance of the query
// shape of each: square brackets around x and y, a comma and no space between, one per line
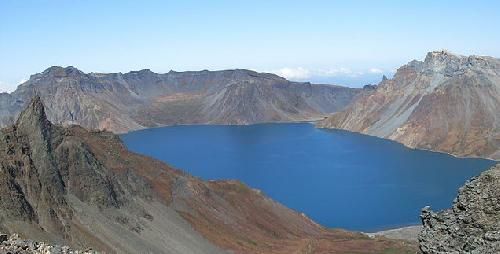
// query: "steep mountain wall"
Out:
[447,103]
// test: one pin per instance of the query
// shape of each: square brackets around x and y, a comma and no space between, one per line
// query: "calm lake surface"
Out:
[339,179]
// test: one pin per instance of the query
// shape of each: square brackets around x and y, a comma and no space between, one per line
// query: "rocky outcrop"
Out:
[471,225]
[70,186]
[447,103]
[15,245]
[140,99]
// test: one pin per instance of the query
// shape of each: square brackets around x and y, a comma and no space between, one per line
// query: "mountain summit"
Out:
[33,119]
[447,103]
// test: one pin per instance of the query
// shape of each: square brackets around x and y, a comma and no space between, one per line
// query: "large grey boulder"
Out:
[472,225]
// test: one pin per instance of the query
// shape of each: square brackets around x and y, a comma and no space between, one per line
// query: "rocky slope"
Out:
[448,103]
[139,99]
[70,186]
[471,225]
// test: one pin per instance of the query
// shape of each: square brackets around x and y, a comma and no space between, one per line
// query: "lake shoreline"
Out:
[410,147]
[409,233]
[312,121]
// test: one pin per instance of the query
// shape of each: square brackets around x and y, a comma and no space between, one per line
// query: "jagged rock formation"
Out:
[139,99]
[70,186]
[447,103]
[471,225]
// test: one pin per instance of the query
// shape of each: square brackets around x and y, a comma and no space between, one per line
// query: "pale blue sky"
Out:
[346,42]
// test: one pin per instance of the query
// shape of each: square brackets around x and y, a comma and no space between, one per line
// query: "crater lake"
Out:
[339,179]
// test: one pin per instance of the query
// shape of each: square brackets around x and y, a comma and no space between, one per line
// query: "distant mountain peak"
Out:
[441,56]
[142,71]
[58,71]
[443,52]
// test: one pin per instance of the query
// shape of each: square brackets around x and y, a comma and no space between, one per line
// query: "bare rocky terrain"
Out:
[69,186]
[141,99]
[471,225]
[448,103]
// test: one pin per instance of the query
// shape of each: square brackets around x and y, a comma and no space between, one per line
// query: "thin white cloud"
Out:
[301,73]
[298,73]
[7,87]
[3,87]
[375,70]
[335,72]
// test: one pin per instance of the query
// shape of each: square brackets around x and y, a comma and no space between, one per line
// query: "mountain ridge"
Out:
[447,103]
[122,102]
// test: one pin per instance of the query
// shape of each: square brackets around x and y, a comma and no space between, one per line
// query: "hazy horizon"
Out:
[322,41]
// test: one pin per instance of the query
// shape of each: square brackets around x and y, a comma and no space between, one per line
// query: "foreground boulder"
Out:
[472,225]
[16,245]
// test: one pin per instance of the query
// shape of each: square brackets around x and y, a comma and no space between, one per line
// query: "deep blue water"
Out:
[339,179]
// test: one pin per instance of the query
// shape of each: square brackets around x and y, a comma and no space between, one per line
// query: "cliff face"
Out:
[446,103]
[124,102]
[70,186]
[471,225]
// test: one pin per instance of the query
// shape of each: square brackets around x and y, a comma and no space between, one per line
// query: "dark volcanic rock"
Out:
[369,87]
[472,225]
[140,99]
